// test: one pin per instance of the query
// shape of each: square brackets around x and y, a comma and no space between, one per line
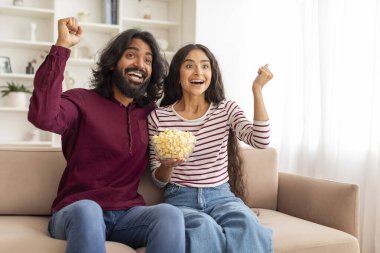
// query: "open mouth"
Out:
[136,76]
[197,82]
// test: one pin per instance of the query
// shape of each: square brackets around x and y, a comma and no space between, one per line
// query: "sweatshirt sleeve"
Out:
[47,109]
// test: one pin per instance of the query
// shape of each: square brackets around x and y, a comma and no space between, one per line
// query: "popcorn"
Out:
[173,143]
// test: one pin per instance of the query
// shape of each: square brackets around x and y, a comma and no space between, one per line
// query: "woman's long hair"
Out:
[214,94]
[110,55]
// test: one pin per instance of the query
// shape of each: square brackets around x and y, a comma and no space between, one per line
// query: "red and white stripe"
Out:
[207,165]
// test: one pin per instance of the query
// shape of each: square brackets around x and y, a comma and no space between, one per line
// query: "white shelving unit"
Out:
[26,11]
[165,22]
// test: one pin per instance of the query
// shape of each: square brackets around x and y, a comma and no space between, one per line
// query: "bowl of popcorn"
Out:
[173,144]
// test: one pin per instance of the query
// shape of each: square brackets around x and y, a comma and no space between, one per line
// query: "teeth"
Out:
[196,81]
[138,74]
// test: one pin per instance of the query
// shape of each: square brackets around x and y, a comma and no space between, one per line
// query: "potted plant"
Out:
[16,94]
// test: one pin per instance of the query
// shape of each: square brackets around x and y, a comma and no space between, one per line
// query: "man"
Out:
[105,140]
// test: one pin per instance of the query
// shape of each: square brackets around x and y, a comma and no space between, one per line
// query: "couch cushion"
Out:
[260,169]
[21,234]
[29,180]
[294,235]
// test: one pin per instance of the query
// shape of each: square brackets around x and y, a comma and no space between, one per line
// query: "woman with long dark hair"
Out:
[209,186]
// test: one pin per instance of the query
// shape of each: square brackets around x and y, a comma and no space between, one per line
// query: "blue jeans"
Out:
[218,222]
[86,227]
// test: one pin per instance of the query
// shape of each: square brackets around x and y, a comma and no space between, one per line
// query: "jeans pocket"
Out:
[171,190]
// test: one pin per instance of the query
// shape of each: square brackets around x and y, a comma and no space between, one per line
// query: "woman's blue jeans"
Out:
[218,222]
[86,227]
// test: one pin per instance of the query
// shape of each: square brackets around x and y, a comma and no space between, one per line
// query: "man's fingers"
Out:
[79,31]
[71,23]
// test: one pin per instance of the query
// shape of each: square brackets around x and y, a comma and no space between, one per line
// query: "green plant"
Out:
[14,87]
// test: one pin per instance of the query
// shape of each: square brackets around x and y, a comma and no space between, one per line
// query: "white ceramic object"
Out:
[83,16]
[33,28]
[147,12]
[18,2]
[17,99]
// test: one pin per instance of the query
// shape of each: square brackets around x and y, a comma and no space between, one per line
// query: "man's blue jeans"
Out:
[86,227]
[218,222]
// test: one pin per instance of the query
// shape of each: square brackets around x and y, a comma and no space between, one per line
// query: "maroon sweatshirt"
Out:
[104,143]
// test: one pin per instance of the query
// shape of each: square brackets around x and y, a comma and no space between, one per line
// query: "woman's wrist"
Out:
[163,173]
[257,90]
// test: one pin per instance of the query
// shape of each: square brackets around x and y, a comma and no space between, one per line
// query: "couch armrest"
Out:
[328,203]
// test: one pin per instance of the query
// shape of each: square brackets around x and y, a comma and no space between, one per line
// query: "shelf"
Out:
[139,22]
[12,109]
[17,76]
[25,143]
[26,11]
[100,27]
[29,148]
[80,61]
[167,23]
[26,44]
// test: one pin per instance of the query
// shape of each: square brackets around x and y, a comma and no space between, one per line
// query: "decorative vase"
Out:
[33,28]
[147,14]
[83,16]
[18,2]
[17,99]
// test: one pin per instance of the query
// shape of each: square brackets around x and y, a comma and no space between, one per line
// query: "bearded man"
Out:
[105,140]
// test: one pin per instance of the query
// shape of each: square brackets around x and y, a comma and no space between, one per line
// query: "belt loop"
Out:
[201,201]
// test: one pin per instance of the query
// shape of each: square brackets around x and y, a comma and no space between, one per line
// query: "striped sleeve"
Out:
[255,134]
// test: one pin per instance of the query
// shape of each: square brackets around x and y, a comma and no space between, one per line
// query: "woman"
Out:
[216,219]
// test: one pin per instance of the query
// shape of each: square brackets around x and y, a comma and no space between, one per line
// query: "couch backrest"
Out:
[29,179]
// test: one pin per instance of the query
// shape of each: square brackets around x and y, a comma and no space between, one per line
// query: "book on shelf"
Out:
[114,11]
[110,11]
[107,11]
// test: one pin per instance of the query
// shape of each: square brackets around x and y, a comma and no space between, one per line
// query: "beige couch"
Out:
[307,215]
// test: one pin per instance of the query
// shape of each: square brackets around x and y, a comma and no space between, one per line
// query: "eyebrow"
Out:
[137,49]
[190,60]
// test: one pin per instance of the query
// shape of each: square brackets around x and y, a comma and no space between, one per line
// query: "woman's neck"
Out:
[191,108]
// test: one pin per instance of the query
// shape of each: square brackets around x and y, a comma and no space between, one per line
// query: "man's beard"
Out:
[126,87]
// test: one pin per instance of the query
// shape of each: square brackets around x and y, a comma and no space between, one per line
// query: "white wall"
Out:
[244,35]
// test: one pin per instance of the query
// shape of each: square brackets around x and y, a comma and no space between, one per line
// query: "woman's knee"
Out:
[196,219]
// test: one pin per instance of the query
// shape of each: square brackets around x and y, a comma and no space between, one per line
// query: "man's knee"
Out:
[169,214]
[85,212]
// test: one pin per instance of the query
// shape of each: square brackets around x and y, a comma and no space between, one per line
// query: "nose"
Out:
[139,62]
[198,70]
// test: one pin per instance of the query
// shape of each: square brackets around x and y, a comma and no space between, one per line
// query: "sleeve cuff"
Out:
[60,51]
[157,182]
[263,123]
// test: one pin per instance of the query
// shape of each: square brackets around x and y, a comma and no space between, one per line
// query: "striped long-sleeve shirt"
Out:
[207,165]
